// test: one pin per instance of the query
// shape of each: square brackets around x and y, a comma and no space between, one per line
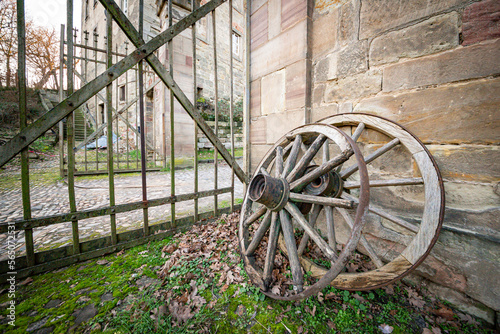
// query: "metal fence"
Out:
[74,100]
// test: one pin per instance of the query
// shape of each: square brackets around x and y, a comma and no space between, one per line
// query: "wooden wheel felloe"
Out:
[288,183]
[406,205]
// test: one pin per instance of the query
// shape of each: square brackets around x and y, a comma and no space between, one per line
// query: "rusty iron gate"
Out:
[76,99]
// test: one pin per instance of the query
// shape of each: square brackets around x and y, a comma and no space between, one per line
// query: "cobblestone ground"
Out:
[47,200]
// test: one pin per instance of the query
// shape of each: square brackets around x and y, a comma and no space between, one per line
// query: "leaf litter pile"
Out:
[205,290]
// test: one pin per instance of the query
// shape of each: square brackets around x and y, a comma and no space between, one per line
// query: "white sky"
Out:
[53,12]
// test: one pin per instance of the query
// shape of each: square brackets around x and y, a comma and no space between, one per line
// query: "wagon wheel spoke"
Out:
[384,214]
[255,216]
[328,201]
[330,227]
[355,136]
[259,234]
[326,167]
[292,157]
[293,256]
[384,149]
[312,221]
[271,249]
[313,234]
[386,183]
[306,158]
[369,249]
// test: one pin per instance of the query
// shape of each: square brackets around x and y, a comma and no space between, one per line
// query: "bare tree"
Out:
[42,54]
[8,40]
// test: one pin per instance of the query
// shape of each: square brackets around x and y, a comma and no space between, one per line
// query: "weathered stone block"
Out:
[349,22]
[296,85]
[471,196]
[255,106]
[321,112]
[324,33]
[462,113]
[354,87]
[379,16]
[259,27]
[274,9]
[474,61]
[481,21]
[286,48]
[273,93]
[292,11]
[279,124]
[258,130]
[436,34]
[353,59]
[462,302]
[318,92]
[257,152]
[321,70]
[468,162]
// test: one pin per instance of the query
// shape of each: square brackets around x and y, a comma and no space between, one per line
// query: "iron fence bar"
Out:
[216,109]
[106,211]
[195,88]
[136,91]
[70,127]
[172,115]
[127,112]
[21,79]
[109,111]
[161,71]
[49,119]
[95,101]
[143,128]
[246,109]
[61,98]
[231,92]
[85,73]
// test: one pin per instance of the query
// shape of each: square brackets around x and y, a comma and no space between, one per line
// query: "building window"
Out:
[121,93]
[95,3]
[124,6]
[86,10]
[236,45]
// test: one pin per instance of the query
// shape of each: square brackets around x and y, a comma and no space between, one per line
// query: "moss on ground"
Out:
[135,307]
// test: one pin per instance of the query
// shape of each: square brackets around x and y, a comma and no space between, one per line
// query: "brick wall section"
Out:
[481,21]
[431,65]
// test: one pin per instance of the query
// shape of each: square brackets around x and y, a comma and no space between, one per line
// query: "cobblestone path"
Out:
[52,199]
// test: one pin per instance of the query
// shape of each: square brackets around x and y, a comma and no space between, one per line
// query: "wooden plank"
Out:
[330,201]
[434,197]
[384,149]
[313,234]
[293,257]
[259,234]
[368,248]
[386,183]
[303,163]
[386,215]
[313,216]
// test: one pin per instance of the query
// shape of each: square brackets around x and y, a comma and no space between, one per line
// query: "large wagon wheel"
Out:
[394,243]
[298,184]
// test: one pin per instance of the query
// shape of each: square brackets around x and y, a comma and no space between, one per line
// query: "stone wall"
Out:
[432,66]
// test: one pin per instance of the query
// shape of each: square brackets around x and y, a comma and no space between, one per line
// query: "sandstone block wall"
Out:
[432,66]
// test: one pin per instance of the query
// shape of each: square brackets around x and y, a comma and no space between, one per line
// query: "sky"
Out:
[53,12]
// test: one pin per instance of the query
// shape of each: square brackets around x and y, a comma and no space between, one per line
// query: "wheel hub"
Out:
[329,184]
[270,191]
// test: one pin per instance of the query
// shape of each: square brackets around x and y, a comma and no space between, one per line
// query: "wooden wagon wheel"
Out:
[272,202]
[406,241]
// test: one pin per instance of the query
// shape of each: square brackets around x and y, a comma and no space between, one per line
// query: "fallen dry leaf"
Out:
[26,281]
[386,329]
[445,313]
[102,262]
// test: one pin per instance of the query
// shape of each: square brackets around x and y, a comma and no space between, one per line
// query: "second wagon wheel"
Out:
[406,207]
[279,196]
